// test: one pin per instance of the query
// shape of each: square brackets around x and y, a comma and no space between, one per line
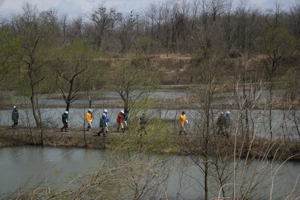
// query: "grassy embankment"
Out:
[176,144]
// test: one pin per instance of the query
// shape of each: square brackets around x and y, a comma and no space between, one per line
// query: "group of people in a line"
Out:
[103,125]
[223,122]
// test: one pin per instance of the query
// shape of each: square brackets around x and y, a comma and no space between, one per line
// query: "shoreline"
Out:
[279,149]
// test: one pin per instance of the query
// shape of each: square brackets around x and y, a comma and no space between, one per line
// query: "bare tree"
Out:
[277,45]
[133,81]
[71,66]
[104,20]
[34,32]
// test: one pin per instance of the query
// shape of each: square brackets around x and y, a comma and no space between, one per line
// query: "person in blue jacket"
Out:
[106,120]
[125,117]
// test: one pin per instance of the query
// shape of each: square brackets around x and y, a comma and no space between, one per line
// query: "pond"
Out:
[18,164]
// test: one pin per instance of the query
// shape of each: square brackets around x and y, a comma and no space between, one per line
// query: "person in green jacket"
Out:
[102,125]
[64,119]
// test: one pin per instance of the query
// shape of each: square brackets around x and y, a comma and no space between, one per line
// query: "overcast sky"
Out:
[76,7]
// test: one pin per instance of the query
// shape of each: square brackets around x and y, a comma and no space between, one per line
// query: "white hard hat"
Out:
[105,110]
[14,106]
[66,112]
[90,110]
[122,111]
[228,112]
[222,113]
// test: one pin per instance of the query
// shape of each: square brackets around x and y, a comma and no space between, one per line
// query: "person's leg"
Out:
[118,127]
[183,128]
[66,126]
[125,125]
[101,131]
[89,126]
[15,124]
[106,128]
[62,128]
[122,126]
[180,129]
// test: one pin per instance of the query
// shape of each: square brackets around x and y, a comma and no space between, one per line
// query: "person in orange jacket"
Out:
[183,120]
[120,121]
[89,119]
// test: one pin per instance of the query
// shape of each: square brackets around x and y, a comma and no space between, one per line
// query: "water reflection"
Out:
[17,164]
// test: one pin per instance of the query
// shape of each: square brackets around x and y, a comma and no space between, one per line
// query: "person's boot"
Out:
[123,130]
[66,130]
[62,130]
[118,130]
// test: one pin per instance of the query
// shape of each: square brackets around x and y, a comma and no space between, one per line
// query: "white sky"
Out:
[76,7]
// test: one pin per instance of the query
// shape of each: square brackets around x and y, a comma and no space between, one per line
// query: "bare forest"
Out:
[223,56]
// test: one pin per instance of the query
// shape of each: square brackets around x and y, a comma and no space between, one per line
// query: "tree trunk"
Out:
[33,106]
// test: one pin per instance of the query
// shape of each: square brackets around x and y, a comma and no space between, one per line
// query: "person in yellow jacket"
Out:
[89,119]
[183,120]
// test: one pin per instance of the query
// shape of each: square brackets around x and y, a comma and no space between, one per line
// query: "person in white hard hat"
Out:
[65,118]
[15,117]
[106,120]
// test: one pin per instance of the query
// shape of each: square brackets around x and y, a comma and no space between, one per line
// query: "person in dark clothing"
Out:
[64,119]
[125,117]
[143,123]
[15,117]
[102,125]
[227,124]
[221,123]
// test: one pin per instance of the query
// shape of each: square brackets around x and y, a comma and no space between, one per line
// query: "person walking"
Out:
[125,117]
[106,120]
[64,119]
[102,126]
[120,121]
[183,120]
[142,123]
[221,123]
[89,119]
[15,117]
[227,124]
